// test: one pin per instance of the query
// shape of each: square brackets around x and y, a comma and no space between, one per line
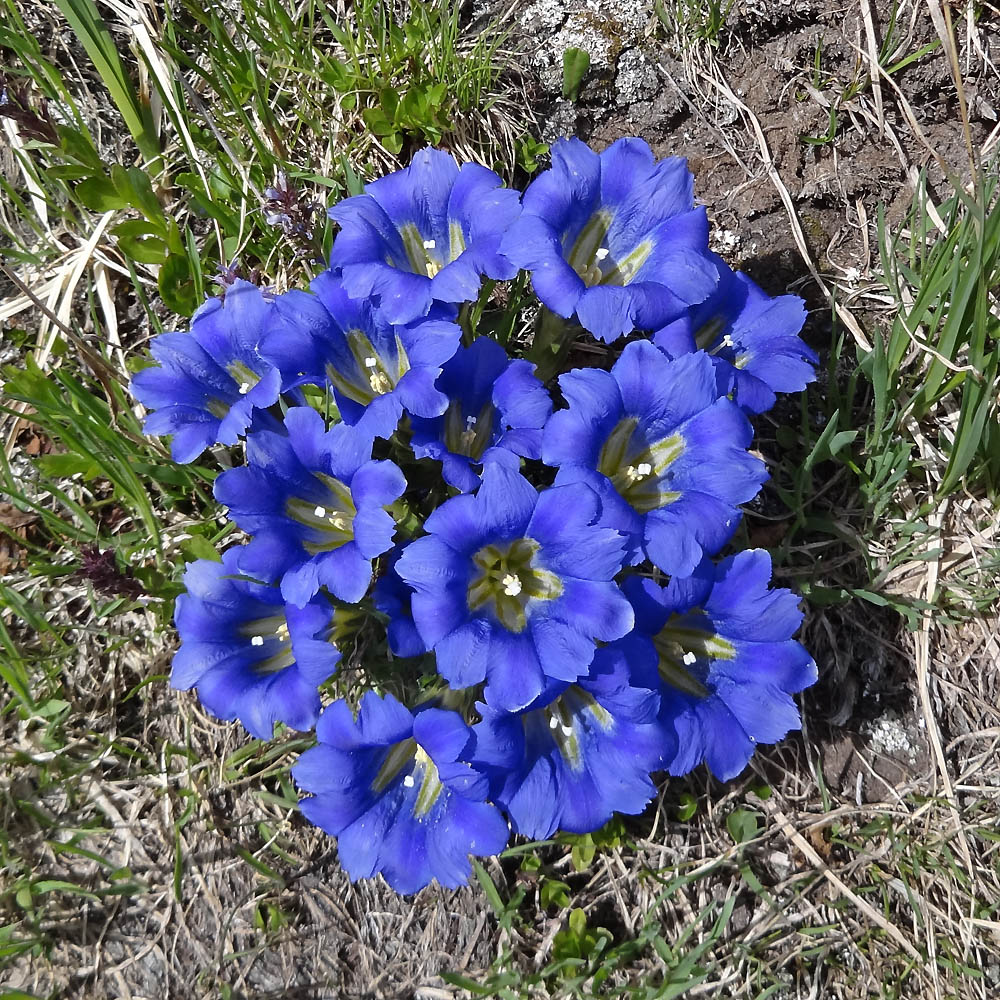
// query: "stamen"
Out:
[689,658]
[553,722]
[602,253]
[257,640]
[379,382]
[320,511]
[567,730]
[408,781]
[244,388]
[282,631]
[429,244]
[636,472]
[511,585]
[371,362]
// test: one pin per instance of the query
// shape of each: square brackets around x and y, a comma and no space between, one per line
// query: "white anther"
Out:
[408,781]
[511,585]
[371,362]
[553,723]
[602,253]
[567,730]
[689,658]
[282,631]
[727,341]
[257,640]
[319,511]
[429,244]
[637,472]
[644,469]
[244,388]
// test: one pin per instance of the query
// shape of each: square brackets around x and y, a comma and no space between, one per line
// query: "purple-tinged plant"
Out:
[395,789]
[613,237]
[424,234]
[492,402]
[752,338]
[235,359]
[250,654]
[666,455]
[577,755]
[726,661]
[514,587]
[315,503]
[377,370]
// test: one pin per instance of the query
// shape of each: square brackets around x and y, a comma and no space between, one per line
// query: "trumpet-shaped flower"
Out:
[492,402]
[726,665]
[236,357]
[613,237]
[395,790]
[577,755]
[377,370]
[752,338]
[316,505]
[251,655]
[514,587]
[424,234]
[666,455]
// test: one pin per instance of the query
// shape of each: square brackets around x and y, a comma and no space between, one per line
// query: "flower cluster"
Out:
[514,559]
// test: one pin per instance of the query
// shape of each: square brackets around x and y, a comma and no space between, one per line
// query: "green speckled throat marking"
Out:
[563,717]
[468,436]
[330,524]
[685,647]
[374,375]
[270,636]
[508,578]
[636,470]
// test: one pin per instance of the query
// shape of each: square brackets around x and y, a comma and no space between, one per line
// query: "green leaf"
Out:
[99,194]
[137,239]
[576,62]
[177,286]
[199,547]
[742,825]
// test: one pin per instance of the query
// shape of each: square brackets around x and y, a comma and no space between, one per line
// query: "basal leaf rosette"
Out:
[579,754]
[237,357]
[395,789]
[424,234]
[315,503]
[613,237]
[726,664]
[515,587]
[492,402]
[752,339]
[665,453]
[377,370]
[251,655]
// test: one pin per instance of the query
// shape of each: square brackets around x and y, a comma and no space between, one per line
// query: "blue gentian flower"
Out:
[492,402]
[236,357]
[576,756]
[423,234]
[613,237]
[666,455]
[514,586]
[315,503]
[395,790]
[251,655]
[726,661]
[392,597]
[752,338]
[377,370]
